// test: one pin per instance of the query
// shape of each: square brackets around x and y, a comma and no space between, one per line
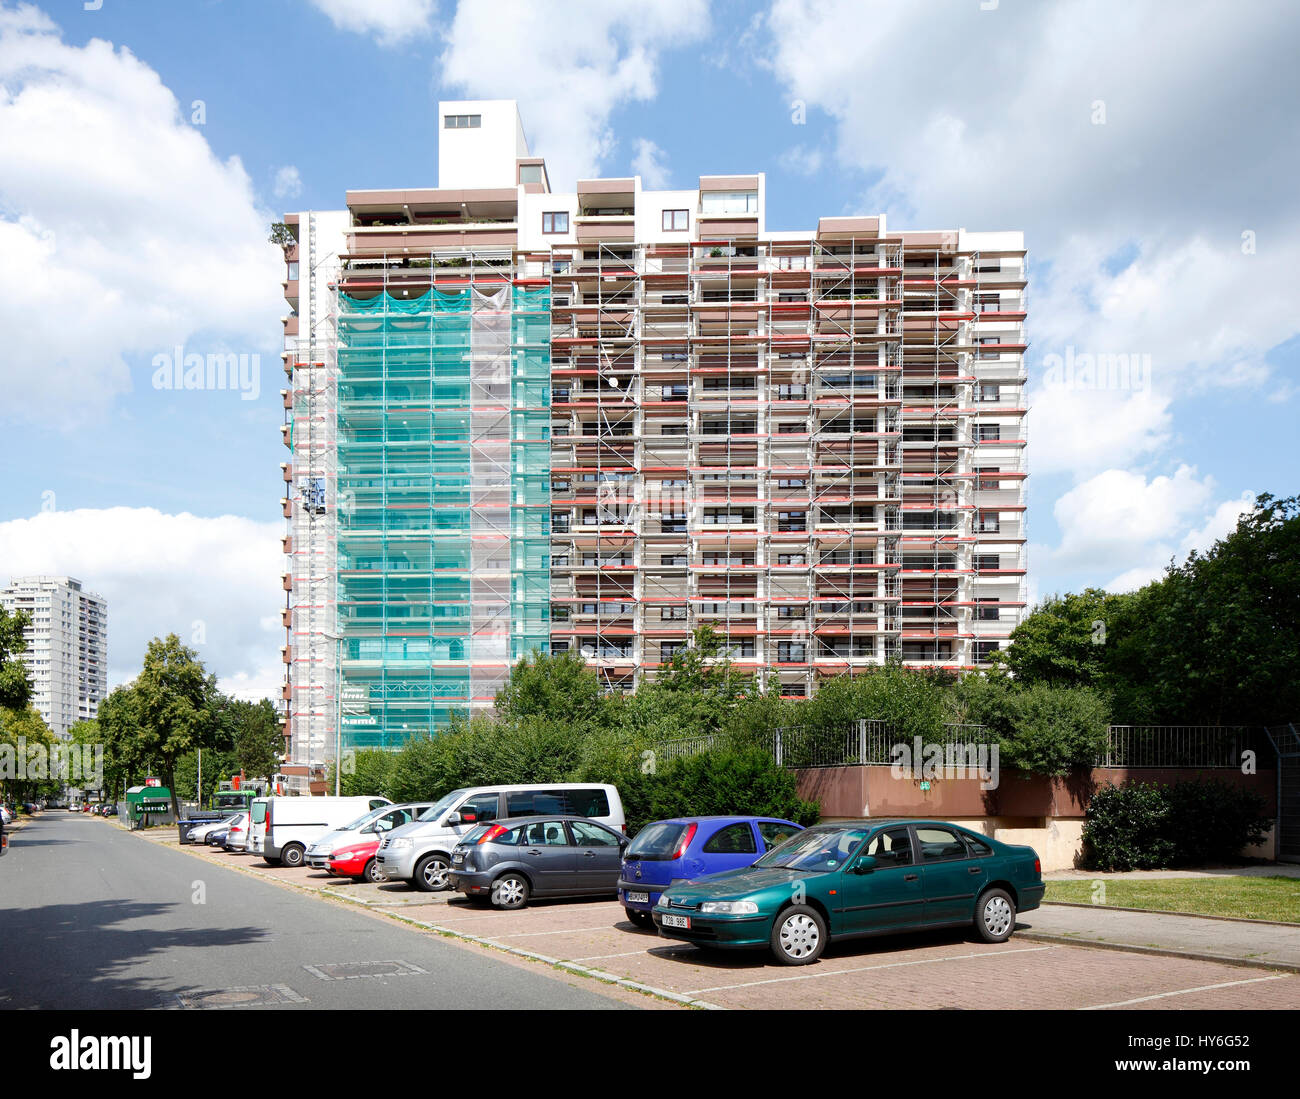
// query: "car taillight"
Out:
[491,833]
[1038,867]
[686,841]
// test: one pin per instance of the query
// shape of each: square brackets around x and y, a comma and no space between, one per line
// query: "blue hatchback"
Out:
[685,848]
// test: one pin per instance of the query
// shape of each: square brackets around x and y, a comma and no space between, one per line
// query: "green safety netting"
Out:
[444,484]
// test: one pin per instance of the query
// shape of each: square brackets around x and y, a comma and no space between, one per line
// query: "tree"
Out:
[257,736]
[1063,642]
[126,757]
[25,743]
[175,699]
[556,686]
[15,687]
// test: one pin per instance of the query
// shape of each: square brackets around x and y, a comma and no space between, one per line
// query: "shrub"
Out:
[372,773]
[1145,826]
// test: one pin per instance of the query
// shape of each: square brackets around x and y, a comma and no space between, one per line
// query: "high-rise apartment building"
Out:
[67,647]
[522,419]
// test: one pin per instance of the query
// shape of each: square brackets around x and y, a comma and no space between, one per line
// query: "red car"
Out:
[357,861]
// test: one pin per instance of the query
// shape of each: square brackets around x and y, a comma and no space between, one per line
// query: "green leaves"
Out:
[1146,826]
[15,688]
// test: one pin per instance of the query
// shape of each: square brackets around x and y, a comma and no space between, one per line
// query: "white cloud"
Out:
[121,232]
[801,160]
[570,67]
[390,21]
[288,182]
[1121,523]
[649,165]
[211,581]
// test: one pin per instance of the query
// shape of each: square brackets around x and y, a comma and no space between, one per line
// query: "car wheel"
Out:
[292,855]
[995,916]
[510,891]
[798,935]
[431,874]
[641,919]
[373,874]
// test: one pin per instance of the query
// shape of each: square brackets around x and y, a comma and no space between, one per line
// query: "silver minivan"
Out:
[420,852]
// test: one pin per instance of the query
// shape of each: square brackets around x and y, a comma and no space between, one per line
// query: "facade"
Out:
[67,647]
[526,420]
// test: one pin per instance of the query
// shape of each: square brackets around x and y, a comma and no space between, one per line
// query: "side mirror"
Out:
[454,818]
[367,829]
[865,864]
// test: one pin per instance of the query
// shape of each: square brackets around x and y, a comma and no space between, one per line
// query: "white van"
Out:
[420,852]
[282,828]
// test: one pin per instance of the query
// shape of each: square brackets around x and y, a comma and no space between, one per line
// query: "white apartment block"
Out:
[67,647]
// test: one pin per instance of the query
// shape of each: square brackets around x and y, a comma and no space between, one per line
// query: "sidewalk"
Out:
[1272,870]
[1262,945]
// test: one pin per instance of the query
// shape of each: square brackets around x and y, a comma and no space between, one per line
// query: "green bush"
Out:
[1147,826]
[371,773]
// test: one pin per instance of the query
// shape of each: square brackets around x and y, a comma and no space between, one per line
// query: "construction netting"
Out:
[444,503]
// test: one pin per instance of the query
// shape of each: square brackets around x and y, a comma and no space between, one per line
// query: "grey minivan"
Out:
[542,856]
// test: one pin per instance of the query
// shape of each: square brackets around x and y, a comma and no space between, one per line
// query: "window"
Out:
[978,848]
[548,833]
[987,562]
[672,614]
[734,839]
[462,121]
[740,649]
[792,612]
[293,271]
[479,809]
[793,690]
[892,847]
[672,429]
[555,221]
[988,432]
[939,844]
[989,612]
[729,202]
[791,652]
[990,522]
[794,428]
[791,520]
[775,832]
[530,173]
[792,559]
[989,392]
[672,560]
[984,651]
[592,835]
[560,522]
[669,649]
[676,221]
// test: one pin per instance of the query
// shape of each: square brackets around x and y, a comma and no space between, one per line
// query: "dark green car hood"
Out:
[739,883]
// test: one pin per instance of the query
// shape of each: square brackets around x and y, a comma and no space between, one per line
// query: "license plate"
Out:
[677,921]
[638,898]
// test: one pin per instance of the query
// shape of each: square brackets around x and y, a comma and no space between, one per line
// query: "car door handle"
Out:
[589,854]
[534,851]
[974,869]
[909,877]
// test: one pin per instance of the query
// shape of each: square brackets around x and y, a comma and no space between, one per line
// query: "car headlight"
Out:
[664,900]
[729,908]
[399,844]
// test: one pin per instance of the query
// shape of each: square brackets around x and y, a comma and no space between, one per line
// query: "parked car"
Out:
[856,878]
[350,851]
[6,817]
[689,848]
[420,852]
[284,827]
[237,834]
[201,833]
[511,861]
[110,810]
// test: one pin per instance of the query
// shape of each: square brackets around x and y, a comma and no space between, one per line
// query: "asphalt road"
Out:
[91,917]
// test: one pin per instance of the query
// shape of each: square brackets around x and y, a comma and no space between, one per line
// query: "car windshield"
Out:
[365,818]
[814,849]
[435,811]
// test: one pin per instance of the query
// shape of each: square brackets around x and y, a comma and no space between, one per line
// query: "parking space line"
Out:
[562,931]
[868,968]
[1185,992]
[628,954]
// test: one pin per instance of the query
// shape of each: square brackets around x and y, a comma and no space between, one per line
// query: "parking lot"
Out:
[939,970]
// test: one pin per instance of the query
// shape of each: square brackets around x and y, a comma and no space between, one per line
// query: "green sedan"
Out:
[857,878]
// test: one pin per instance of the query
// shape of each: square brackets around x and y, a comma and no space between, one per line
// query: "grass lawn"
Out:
[1273,898]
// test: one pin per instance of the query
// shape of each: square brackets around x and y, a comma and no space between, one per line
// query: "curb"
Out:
[1158,951]
[556,963]
[1169,912]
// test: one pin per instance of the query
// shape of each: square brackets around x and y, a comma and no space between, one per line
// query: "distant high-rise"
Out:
[67,647]
[522,419]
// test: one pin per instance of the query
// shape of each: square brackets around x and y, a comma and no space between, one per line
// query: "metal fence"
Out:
[1205,746]
[872,743]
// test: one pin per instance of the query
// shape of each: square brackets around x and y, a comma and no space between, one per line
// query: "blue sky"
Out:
[1152,174]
